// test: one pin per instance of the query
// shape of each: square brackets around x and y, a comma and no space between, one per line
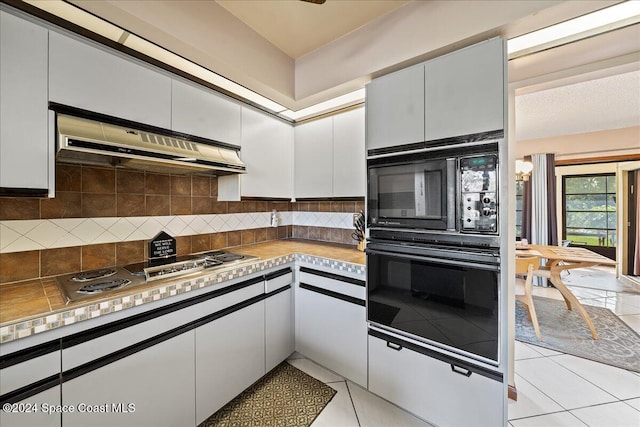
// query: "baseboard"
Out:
[512,392]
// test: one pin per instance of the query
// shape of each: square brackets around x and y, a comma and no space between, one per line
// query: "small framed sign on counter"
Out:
[161,248]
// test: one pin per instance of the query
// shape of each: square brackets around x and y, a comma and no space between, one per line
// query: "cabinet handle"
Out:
[394,346]
[461,371]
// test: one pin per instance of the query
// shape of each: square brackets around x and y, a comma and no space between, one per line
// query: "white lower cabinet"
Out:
[442,393]
[34,411]
[229,358]
[151,387]
[278,318]
[30,388]
[331,324]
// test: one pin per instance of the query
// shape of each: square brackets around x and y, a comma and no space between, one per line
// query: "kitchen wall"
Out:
[105,216]
[612,142]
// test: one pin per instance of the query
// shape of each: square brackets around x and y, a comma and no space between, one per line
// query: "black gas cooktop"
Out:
[88,284]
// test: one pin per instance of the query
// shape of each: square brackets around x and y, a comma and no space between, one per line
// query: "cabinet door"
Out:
[267,151]
[395,108]
[26,157]
[229,358]
[20,378]
[278,328]
[332,332]
[90,77]
[201,112]
[464,91]
[32,411]
[313,159]
[153,387]
[436,391]
[349,154]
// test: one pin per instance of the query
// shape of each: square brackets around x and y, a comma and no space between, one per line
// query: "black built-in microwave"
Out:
[452,189]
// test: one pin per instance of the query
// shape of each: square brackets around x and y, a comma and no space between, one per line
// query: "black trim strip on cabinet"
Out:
[88,335]
[150,342]
[23,192]
[485,372]
[30,390]
[333,276]
[276,274]
[332,294]
[277,291]
[29,353]
[420,145]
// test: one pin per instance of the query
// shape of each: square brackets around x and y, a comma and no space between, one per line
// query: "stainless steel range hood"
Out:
[92,142]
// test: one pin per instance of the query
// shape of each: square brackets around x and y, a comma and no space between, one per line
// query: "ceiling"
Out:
[298,27]
[299,54]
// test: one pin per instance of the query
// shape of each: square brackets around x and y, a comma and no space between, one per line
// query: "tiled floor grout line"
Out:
[353,405]
[580,376]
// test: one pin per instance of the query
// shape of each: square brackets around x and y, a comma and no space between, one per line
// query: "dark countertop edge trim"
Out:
[485,372]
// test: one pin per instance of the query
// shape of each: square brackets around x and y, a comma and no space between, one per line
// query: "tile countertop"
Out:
[34,306]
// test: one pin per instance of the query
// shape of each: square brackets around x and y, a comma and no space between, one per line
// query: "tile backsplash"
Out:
[105,216]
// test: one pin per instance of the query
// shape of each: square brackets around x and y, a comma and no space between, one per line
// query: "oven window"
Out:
[452,306]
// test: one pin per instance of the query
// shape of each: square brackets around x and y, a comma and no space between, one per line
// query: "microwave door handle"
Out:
[452,191]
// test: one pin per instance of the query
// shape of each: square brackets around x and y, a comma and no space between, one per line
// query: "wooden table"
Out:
[567,258]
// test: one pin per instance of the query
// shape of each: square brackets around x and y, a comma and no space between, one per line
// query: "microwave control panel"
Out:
[479,193]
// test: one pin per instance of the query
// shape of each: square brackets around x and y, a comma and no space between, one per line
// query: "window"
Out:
[519,201]
[590,210]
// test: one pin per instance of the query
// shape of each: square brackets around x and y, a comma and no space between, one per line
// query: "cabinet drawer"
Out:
[96,343]
[441,392]
[29,371]
[333,282]
[277,280]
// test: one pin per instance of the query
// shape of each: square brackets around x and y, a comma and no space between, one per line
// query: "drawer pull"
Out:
[461,371]
[394,346]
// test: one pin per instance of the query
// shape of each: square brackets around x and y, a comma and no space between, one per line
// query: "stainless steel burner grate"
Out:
[86,276]
[108,285]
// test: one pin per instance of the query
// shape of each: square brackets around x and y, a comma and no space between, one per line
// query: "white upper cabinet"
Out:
[267,151]
[86,76]
[464,91]
[313,159]
[329,158]
[198,111]
[26,156]
[395,108]
[349,154]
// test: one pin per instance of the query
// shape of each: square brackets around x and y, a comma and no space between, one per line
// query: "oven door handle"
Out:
[445,261]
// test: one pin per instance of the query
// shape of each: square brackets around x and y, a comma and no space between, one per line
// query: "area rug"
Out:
[566,331]
[286,396]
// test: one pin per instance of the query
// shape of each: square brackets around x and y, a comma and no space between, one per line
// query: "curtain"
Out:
[544,223]
[542,220]
[526,207]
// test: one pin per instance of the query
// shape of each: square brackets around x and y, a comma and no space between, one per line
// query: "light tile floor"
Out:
[554,389]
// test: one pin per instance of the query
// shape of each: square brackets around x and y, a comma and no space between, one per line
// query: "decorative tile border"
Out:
[340,266]
[49,322]
[28,235]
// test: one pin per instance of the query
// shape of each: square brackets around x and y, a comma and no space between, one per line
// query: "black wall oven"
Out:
[445,296]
